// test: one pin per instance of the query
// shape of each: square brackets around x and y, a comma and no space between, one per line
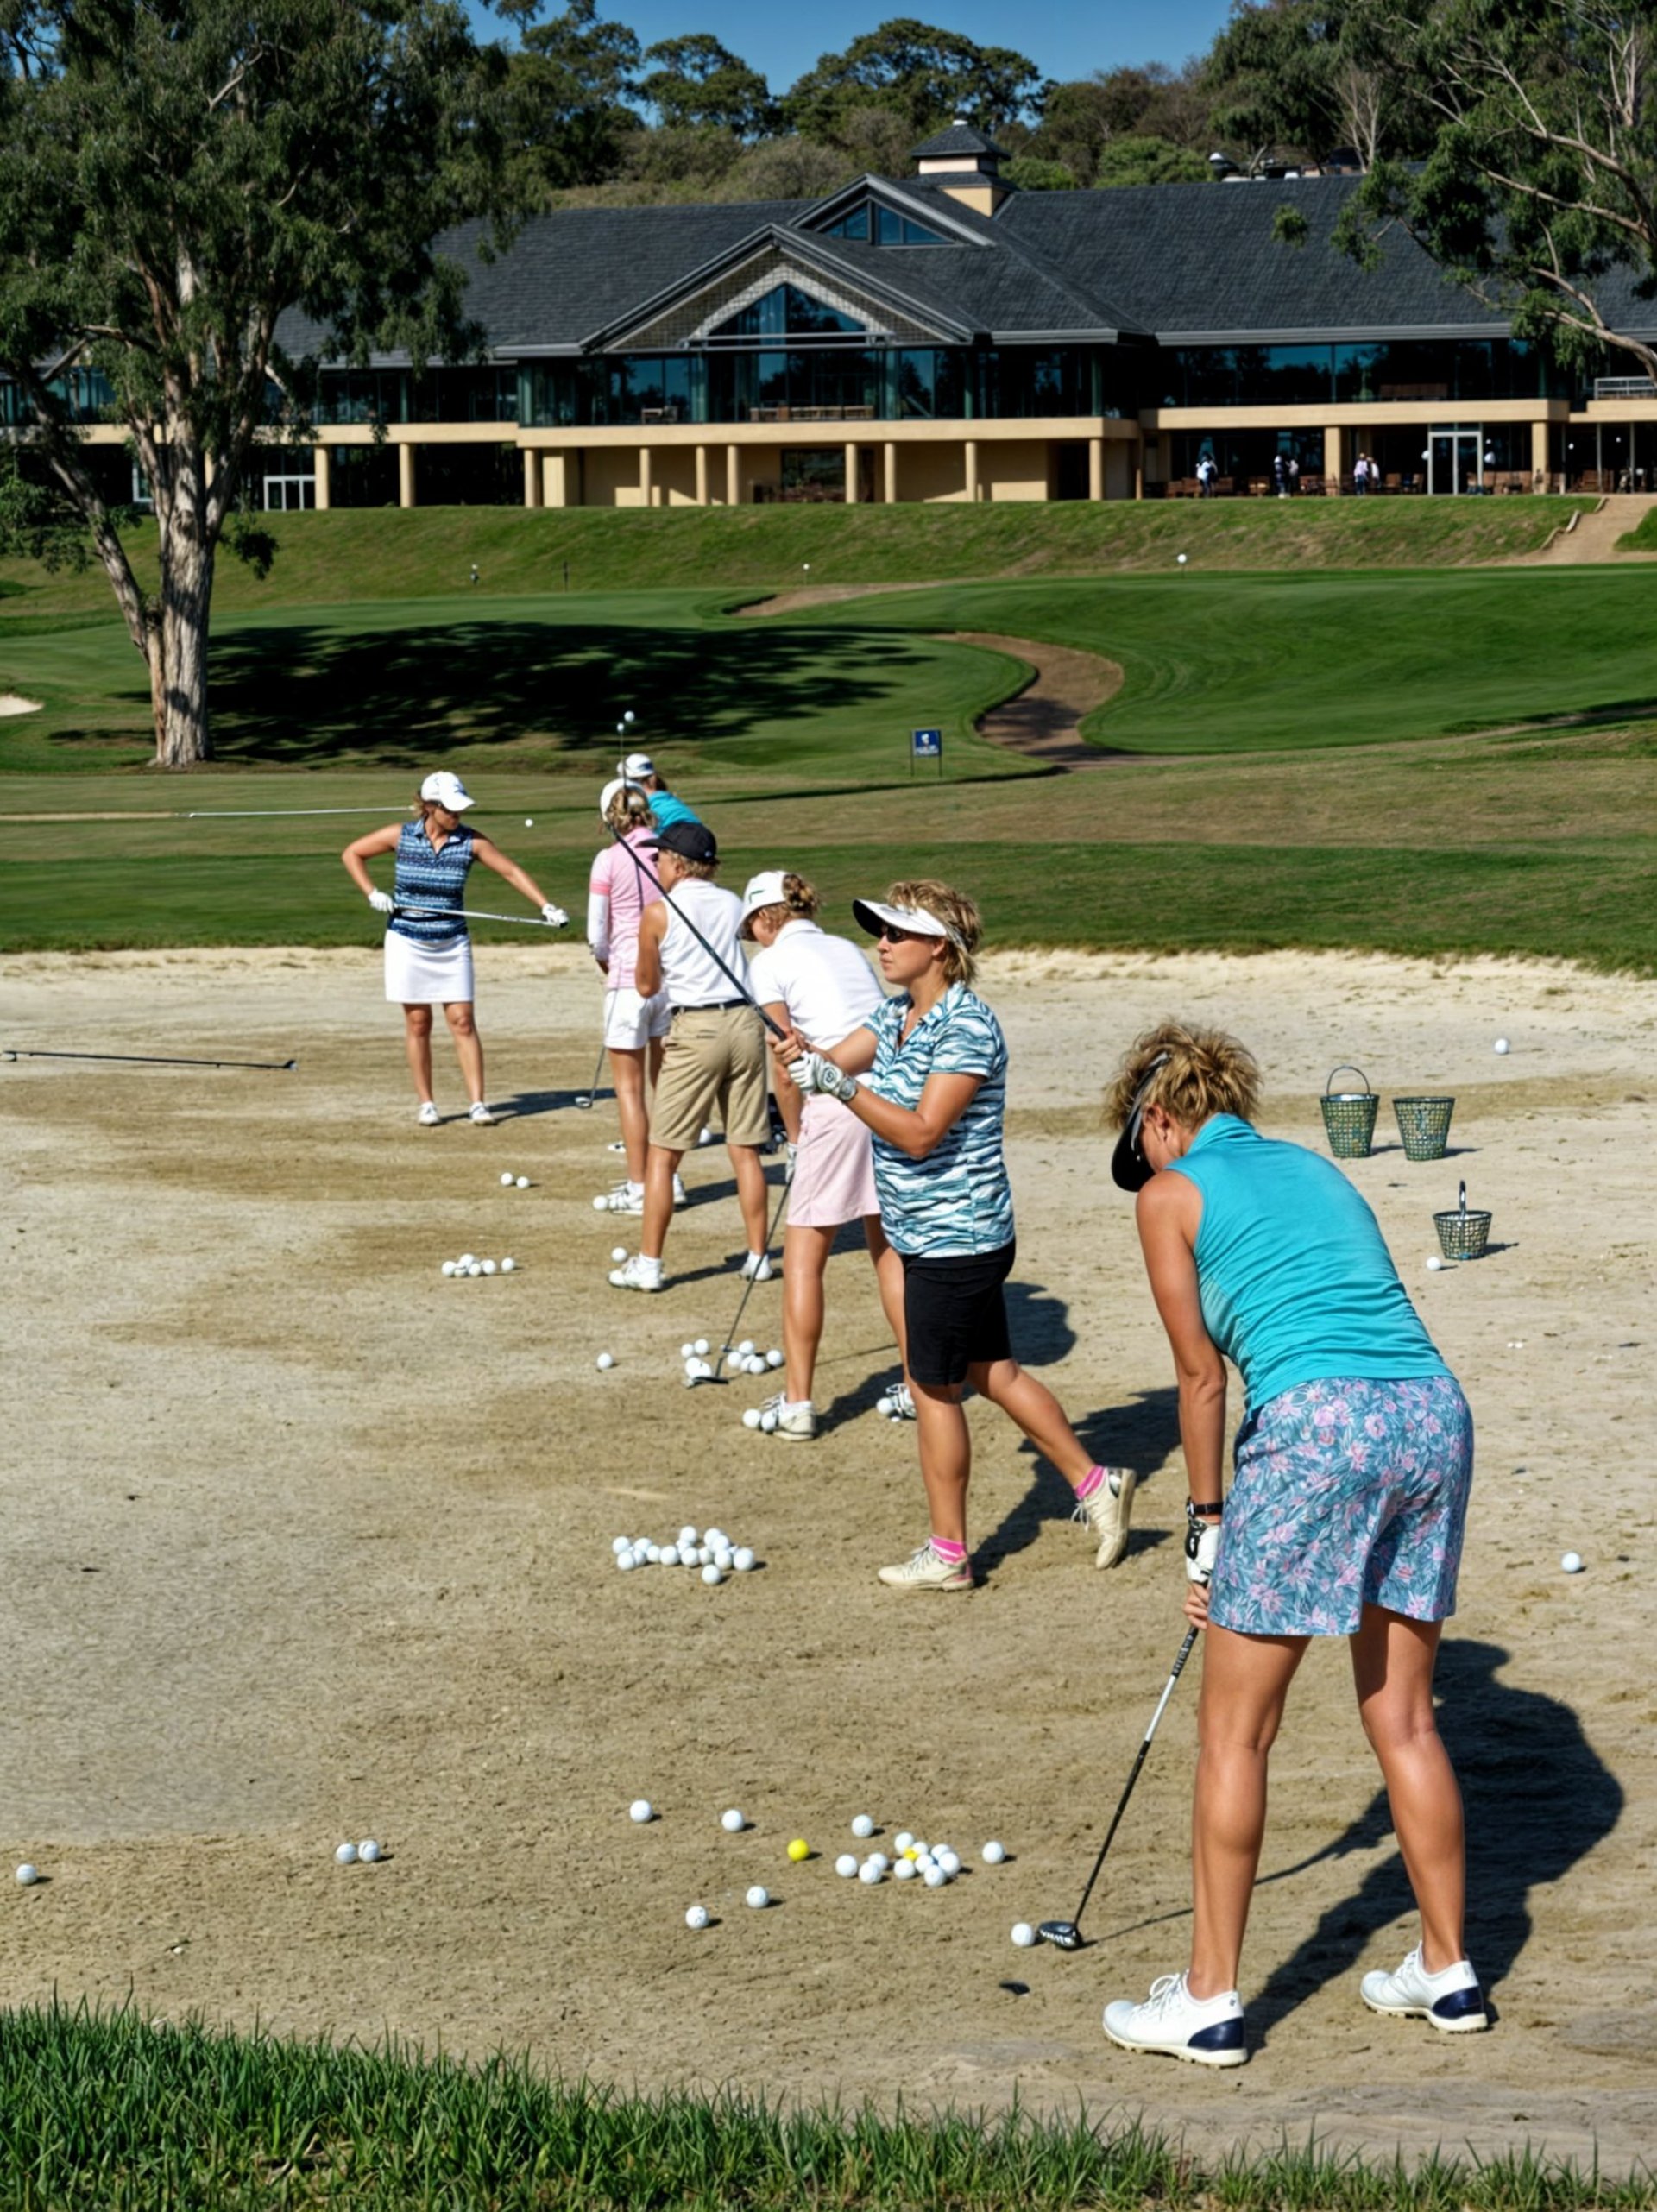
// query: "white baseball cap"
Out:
[447,790]
[608,795]
[636,765]
[874,914]
[763,890]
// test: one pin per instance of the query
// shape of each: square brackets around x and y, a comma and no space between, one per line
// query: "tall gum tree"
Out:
[173,174]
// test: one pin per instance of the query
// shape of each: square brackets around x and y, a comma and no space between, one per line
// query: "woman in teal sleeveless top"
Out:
[1346,1516]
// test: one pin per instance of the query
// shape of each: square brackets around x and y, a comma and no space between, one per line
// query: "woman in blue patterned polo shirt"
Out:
[935,1100]
[428,952]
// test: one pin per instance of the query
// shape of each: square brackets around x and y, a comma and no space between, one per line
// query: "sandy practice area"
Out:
[305,1542]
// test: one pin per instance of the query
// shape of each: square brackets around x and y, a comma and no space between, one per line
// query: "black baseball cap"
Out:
[1129,1169]
[691,841]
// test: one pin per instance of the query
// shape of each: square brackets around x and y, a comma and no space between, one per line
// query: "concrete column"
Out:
[1095,468]
[852,485]
[555,480]
[646,490]
[732,475]
[1538,456]
[322,462]
[702,475]
[890,472]
[532,477]
[1334,458]
[1139,468]
[406,476]
[972,469]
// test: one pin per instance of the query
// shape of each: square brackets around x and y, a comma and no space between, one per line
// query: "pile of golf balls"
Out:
[366,1853]
[469,1264]
[510,1182]
[932,1865]
[711,1550]
[697,1366]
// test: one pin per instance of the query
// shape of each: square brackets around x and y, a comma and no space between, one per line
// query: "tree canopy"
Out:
[920,73]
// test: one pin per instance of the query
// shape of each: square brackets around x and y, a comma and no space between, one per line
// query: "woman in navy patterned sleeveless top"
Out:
[428,952]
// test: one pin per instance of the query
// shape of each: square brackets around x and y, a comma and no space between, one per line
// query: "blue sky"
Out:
[1063,39]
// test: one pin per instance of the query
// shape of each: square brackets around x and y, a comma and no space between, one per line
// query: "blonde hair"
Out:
[629,809]
[797,904]
[958,914]
[1192,1073]
[704,871]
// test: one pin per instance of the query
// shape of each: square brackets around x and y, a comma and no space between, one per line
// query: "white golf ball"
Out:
[1571,1562]
[744,1350]
[871,1874]
[642,1810]
[620,1544]
[992,1853]
[862,1825]
[949,1861]
[686,1351]
[711,1575]
[28,1875]
[601,1203]
[523,1183]
[1023,1935]
[670,1555]
[688,1535]
[652,1555]
[467,1259]
[742,1559]
[704,1555]
[505,1180]
[605,1361]
[487,1266]
[846,1864]
[768,1421]
[478,1267]
[449,1267]
[1501,1045]
[508,1267]
[1182,558]
[885,1406]
[618,1253]
[732,1822]
[905,1870]
[934,1877]
[369,1851]
[716,1539]
[902,1842]
[696,1917]
[529,822]
[1434,1264]
[751,1419]
[922,1849]
[773,1357]
[629,716]
[699,1347]
[759,1897]
[626,1561]
[345,1854]
[880,1859]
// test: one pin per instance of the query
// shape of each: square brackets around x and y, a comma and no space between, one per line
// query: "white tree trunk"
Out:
[176,630]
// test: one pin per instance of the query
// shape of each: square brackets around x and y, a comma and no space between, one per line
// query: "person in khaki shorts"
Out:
[715,1054]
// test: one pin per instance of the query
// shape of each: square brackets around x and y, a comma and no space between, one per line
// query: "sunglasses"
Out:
[888,935]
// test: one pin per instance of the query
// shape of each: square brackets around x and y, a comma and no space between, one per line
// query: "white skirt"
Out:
[419,973]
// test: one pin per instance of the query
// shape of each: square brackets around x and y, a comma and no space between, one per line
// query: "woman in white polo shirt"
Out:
[821,987]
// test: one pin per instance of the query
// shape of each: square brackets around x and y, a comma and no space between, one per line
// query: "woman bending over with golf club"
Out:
[934,1102]
[819,987]
[1348,1500]
[428,952]
[618,892]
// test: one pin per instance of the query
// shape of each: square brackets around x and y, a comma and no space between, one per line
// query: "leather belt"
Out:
[714,1006]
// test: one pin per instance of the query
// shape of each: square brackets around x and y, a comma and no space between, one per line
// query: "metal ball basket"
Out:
[1462,1235]
[1424,1125]
[1349,1116]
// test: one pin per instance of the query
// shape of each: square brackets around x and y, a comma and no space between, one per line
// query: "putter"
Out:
[148,1059]
[1066,1935]
[729,1345]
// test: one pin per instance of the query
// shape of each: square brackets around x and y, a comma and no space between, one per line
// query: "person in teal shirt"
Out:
[1346,1517]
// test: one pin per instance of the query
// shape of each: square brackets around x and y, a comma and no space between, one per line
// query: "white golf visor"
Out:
[874,915]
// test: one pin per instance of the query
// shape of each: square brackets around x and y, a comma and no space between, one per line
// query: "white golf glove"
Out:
[1201,1546]
[813,1072]
[790,1154]
[555,917]
[382,902]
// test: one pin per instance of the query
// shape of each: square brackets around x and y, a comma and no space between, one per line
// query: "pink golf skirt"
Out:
[834,1169]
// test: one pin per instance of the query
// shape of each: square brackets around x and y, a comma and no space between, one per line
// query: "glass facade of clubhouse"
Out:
[948,340]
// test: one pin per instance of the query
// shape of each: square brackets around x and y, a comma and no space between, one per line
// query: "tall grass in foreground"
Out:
[98,2109]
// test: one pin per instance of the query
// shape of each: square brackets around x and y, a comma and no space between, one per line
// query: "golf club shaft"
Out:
[748,1288]
[150,1059]
[268,813]
[598,1069]
[740,984]
[1133,1776]
[479,914]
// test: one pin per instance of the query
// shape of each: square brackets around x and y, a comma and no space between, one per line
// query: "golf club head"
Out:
[1063,1935]
[584,1099]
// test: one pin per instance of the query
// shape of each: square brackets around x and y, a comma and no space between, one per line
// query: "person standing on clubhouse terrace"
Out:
[714,1054]
[935,1101]
[1348,1501]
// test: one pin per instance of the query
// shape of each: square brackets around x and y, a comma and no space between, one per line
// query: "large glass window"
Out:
[1023,381]
[1375,374]
[487,393]
[786,312]
[873,224]
[931,384]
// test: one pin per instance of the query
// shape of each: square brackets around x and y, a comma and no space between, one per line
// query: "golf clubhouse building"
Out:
[947,338]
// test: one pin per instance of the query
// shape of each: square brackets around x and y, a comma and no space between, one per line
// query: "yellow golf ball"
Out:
[911,1853]
[798,1849]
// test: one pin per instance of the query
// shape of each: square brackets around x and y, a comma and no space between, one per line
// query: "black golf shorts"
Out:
[955,1315]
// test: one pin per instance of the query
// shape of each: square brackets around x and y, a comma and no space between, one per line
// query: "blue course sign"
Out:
[927,744]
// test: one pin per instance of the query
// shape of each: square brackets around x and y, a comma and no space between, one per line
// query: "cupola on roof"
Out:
[962,137]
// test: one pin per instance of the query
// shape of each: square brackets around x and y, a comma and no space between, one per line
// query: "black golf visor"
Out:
[1129,1169]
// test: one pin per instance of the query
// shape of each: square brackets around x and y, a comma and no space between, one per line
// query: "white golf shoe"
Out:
[480,1117]
[680,1197]
[756,1268]
[428,1117]
[797,1419]
[1208,2031]
[929,1570]
[625,1199]
[1108,1513]
[638,1274]
[1449,2001]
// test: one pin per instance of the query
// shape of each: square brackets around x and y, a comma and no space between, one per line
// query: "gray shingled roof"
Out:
[1191,264]
[960,138]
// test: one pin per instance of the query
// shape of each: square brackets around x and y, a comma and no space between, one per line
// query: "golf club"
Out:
[736,980]
[586,1098]
[1066,1935]
[147,1059]
[478,914]
[729,1345]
